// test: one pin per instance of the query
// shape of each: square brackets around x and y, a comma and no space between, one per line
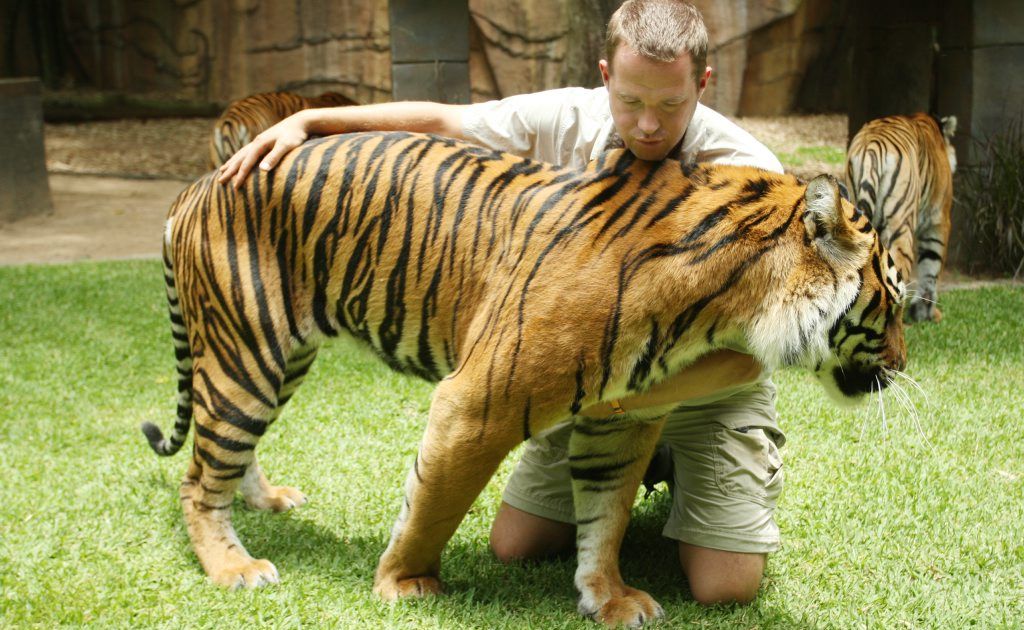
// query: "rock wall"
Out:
[730,23]
[219,50]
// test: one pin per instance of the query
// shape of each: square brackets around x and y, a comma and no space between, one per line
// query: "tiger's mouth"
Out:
[854,383]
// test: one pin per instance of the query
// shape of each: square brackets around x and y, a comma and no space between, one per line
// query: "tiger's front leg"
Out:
[458,455]
[607,459]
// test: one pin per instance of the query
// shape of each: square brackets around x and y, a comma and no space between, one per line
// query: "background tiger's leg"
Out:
[259,494]
[458,455]
[231,413]
[932,240]
[257,490]
[608,458]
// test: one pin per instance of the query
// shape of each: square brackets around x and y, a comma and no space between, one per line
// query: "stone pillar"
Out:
[24,187]
[429,50]
[997,67]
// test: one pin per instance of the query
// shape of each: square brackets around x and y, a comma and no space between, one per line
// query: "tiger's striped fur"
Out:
[528,292]
[245,118]
[900,172]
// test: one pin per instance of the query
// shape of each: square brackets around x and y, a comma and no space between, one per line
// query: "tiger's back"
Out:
[429,249]
[900,171]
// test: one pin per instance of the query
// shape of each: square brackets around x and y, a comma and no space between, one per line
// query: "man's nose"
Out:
[648,122]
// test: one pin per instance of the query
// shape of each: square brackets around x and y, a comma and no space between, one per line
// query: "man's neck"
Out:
[615,141]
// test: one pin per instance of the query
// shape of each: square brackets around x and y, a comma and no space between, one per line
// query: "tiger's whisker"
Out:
[881,405]
[912,382]
[903,396]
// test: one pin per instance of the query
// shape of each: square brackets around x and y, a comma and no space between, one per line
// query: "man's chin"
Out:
[649,152]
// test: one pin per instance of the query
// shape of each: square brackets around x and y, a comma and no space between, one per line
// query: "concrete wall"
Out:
[997,65]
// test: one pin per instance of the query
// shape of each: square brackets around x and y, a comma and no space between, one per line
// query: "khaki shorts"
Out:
[728,472]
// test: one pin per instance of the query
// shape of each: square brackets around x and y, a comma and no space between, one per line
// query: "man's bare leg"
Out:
[715,576]
[519,535]
[721,577]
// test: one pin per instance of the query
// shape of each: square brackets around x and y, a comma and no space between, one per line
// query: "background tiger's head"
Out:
[865,344]
[948,126]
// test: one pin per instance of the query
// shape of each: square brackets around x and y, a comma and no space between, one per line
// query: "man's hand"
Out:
[710,374]
[273,143]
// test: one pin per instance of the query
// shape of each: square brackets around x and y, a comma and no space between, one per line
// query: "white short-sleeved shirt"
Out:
[572,126]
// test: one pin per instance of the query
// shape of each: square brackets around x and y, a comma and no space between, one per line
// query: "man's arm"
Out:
[711,373]
[276,141]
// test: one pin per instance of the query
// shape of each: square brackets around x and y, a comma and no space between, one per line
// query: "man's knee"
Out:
[518,535]
[722,577]
[736,590]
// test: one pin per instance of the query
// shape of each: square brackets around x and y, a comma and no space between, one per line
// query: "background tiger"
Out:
[528,292]
[243,119]
[900,172]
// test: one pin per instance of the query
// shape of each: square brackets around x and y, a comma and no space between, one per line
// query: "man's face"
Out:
[652,102]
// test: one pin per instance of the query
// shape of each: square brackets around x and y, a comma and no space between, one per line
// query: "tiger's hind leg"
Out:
[258,492]
[234,402]
[932,242]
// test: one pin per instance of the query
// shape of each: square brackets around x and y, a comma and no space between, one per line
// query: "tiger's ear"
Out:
[824,219]
[948,124]
[844,192]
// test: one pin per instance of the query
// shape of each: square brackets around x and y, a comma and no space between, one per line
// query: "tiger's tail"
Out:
[172,444]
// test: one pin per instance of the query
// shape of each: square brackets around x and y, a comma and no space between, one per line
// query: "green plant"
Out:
[991,195]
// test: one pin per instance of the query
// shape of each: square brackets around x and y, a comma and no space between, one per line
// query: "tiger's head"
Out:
[948,126]
[840,313]
[865,343]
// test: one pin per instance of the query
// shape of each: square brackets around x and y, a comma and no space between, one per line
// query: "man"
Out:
[724,439]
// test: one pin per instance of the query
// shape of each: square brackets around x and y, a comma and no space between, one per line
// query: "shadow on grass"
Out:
[476,583]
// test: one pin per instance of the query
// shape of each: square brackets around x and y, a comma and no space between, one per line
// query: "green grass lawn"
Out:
[885,524]
[830,155]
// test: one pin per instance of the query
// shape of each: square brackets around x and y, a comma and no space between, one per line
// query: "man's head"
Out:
[655,72]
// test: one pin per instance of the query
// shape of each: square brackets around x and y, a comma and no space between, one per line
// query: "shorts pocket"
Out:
[748,464]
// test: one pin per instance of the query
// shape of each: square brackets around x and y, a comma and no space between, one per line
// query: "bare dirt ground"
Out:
[112,182]
[111,185]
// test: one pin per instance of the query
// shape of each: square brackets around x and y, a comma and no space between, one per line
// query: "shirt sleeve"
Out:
[552,126]
[721,141]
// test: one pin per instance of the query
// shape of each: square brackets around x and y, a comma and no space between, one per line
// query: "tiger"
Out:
[245,118]
[527,292]
[900,173]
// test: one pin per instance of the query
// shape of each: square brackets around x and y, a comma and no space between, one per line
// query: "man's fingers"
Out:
[227,169]
[252,154]
[275,155]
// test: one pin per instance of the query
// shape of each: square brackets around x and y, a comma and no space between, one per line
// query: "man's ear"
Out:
[602,65]
[825,221]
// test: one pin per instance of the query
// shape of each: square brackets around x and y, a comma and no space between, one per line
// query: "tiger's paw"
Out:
[245,573]
[277,499]
[390,589]
[629,607]
[923,311]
